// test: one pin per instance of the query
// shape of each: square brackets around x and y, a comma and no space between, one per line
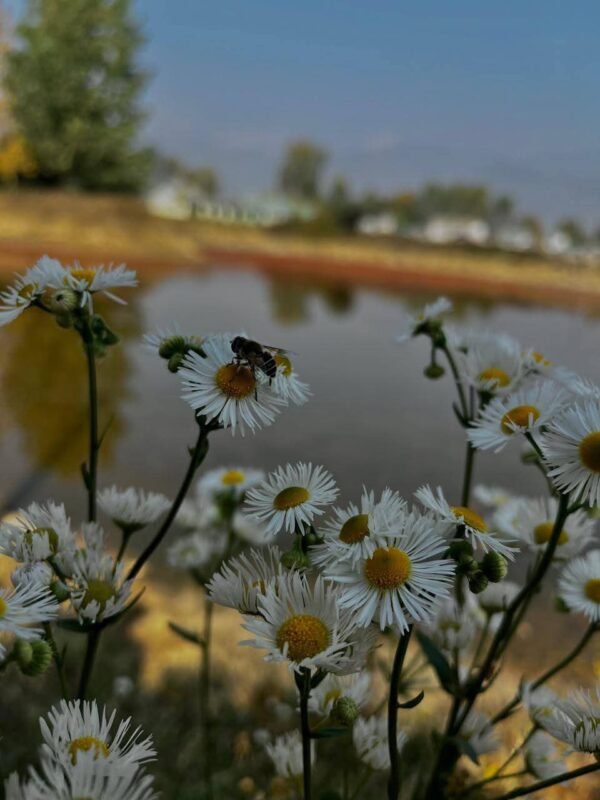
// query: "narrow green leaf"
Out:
[438,661]
[414,702]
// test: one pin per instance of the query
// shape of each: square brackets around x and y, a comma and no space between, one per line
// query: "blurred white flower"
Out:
[132,509]
[370,739]
[579,585]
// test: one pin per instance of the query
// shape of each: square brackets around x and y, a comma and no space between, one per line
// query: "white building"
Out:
[449,230]
[384,224]
[516,238]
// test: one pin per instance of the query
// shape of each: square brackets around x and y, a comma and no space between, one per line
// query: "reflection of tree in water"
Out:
[45,393]
[290,299]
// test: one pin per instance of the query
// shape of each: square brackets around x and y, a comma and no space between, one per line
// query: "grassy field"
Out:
[94,228]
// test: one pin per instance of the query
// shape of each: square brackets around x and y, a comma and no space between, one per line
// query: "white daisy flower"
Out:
[535,363]
[132,509]
[193,550]
[78,727]
[585,389]
[539,703]
[579,585]
[356,687]
[90,778]
[370,739]
[26,291]
[475,526]
[531,520]
[304,624]
[234,481]
[243,579]
[99,589]
[291,497]
[492,364]
[23,608]
[496,597]
[542,757]
[40,532]
[286,754]
[401,582]
[286,382]
[478,730]
[193,516]
[87,281]
[231,393]
[491,496]
[576,721]
[525,411]
[39,573]
[414,324]
[454,627]
[355,532]
[571,447]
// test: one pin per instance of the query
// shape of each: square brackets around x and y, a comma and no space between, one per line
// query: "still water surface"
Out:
[374,419]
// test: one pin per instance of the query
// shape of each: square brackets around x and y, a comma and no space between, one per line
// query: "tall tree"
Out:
[74,86]
[302,168]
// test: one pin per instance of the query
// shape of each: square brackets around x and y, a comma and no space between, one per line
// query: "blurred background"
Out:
[307,174]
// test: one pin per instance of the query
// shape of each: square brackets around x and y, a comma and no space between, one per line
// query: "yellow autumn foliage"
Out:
[16,159]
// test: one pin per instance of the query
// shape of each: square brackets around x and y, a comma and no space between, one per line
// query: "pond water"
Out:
[374,418]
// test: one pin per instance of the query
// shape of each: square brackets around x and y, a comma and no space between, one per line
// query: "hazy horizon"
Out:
[397,95]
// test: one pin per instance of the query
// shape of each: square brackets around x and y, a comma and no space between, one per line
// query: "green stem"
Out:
[394,779]
[493,778]
[197,457]
[550,673]
[481,643]
[93,638]
[304,689]
[500,640]
[468,475]
[205,710]
[125,536]
[58,662]
[459,387]
[92,465]
[535,787]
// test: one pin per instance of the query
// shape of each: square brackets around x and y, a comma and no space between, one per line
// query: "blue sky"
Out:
[398,92]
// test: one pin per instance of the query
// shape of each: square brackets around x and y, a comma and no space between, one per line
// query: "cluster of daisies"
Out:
[64,572]
[87,753]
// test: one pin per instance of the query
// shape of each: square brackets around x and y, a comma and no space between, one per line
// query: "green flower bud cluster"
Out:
[491,569]
[33,658]
[175,348]
[344,711]
[295,559]
[104,337]
[434,371]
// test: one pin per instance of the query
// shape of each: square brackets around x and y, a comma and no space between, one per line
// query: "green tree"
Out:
[302,169]
[74,86]
[572,229]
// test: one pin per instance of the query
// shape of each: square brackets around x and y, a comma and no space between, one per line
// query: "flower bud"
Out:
[23,653]
[461,549]
[63,301]
[434,371]
[175,361]
[40,660]
[494,567]
[478,582]
[59,590]
[344,711]
[467,566]
[172,345]
[295,559]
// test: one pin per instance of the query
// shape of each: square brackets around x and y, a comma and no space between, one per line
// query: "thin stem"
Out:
[468,475]
[515,752]
[205,710]
[459,387]
[58,662]
[304,688]
[500,639]
[493,778]
[197,457]
[535,787]
[394,779]
[481,643]
[92,465]
[550,673]
[125,536]
[88,663]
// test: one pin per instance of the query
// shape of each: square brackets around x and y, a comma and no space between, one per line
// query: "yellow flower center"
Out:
[543,532]
[589,451]
[592,590]
[86,274]
[291,497]
[85,744]
[26,292]
[470,518]
[540,359]
[355,529]
[519,415]
[331,696]
[99,590]
[49,532]
[3,607]
[235,381]
[388,568]
[232,476]
[304,635]
[497,376]
[285,363]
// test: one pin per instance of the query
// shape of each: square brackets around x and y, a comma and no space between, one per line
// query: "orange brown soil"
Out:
[106,228]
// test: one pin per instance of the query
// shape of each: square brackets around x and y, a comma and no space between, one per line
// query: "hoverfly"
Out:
[255,356]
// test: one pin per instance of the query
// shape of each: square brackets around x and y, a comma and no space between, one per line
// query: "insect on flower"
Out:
[252,354]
